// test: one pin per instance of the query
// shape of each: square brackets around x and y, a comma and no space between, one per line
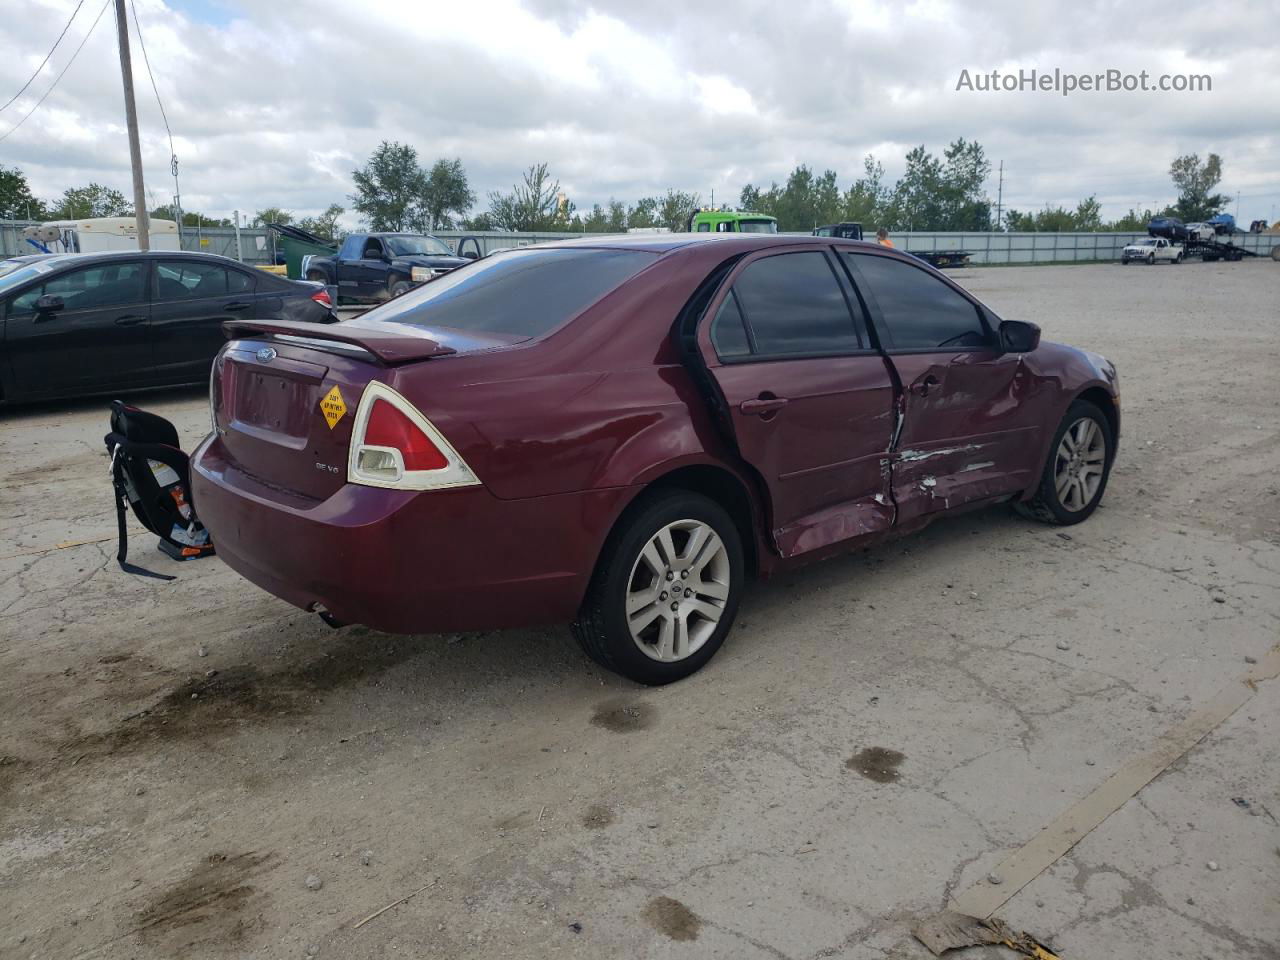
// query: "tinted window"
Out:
[704,227]
[525,292]
[103,285]
[793,304]
[729,331]
[188,280]
[758,226]
[918,308]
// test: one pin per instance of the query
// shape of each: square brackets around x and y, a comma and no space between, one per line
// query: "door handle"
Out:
[923,386]
[237,305]
[762,406]
[130,320]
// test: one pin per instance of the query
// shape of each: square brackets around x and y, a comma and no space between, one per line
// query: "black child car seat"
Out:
[151,473]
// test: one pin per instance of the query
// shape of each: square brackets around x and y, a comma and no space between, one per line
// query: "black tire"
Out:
[400,288]
[602,628]
[1046,505]
[1151,259]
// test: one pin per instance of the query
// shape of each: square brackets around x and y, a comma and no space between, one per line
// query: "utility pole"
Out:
[131,119]
[999,195]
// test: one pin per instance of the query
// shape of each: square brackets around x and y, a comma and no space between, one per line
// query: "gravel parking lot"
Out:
[196,769]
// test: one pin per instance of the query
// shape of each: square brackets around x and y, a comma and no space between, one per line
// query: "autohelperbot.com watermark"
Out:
[1065,83]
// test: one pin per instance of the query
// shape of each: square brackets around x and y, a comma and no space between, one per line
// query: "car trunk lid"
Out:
[286,395]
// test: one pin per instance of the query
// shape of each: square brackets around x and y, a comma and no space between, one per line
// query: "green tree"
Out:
[190,218]
[481,221]
[1132,222]
[95,200]
[390,187]
[644,214]
[749,199]
[617,217]
[1088,215]
[867,197]
[963,205]
[533,205]
[446,196]
[676,209]
[324,225]
[16,199]
[597,221]
[916,201]
[1195,181]
[271,215]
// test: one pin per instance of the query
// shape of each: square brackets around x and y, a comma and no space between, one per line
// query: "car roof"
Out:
[667,242]
[60,259]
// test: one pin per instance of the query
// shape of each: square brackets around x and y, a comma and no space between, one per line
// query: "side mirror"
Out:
[1018,336]
[50,303]
[373,255]
[470,254]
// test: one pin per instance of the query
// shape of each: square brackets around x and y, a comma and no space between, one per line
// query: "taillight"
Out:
[322,297]
[393,445]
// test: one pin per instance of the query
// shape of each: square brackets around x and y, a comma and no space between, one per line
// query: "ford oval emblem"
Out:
[265,355]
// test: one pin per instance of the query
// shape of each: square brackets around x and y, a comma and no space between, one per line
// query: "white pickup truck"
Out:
[1151,249]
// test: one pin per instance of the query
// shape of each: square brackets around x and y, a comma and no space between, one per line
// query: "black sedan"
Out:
[76,324]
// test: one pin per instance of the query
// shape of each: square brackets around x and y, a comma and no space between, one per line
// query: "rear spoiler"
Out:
[389,346]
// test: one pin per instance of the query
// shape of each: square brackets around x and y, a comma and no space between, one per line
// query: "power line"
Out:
[46,57]
[10,131]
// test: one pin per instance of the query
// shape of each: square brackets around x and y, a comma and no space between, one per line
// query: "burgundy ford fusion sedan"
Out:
[621,432]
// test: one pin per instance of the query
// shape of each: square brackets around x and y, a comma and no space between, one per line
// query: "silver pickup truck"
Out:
[1151,249]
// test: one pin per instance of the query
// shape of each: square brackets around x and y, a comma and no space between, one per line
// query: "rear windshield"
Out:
[525,292]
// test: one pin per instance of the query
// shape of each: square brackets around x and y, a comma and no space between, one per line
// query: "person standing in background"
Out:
[882,238]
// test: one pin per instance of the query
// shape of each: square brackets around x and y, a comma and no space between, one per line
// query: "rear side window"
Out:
[525,293]
[792,304]
[919,310]
[729,330]
[189,280]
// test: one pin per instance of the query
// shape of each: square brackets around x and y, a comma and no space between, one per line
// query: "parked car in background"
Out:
[1171,228]
[619,432]
[371,267]
[1201,232]
[1151,249]
[76,324]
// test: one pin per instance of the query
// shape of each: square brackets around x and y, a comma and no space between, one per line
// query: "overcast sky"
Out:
[276,103]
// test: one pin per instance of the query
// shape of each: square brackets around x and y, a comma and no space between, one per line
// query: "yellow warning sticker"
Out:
[333,406]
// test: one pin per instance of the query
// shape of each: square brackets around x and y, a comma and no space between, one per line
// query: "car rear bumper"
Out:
[405,561]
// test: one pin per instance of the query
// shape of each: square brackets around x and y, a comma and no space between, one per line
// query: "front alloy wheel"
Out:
[666,589]
[1079,464]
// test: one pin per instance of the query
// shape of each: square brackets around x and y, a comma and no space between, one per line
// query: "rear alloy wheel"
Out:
[666,590]
[1079,464]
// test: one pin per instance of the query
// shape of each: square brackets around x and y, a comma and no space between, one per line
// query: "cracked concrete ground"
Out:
[879,732]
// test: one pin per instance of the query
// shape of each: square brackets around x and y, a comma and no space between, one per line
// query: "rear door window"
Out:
[792,305]
[918,310]
[525,292]
[189,280]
